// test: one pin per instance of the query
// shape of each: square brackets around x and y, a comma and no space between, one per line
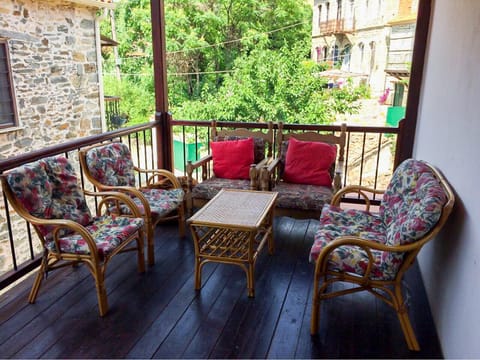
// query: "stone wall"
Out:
[54,68]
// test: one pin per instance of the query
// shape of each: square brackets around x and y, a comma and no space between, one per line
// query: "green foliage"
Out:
[236,60]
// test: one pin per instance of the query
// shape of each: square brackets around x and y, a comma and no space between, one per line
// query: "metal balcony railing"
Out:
[369,160]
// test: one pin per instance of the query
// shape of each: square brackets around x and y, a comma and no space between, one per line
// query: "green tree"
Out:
[239,60]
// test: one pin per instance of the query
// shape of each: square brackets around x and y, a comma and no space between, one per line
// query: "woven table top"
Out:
[235,208]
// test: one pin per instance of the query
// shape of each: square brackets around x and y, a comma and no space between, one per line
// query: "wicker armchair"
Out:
[110,167]
[47,195]
[374,250]
[200,193]
[301,195]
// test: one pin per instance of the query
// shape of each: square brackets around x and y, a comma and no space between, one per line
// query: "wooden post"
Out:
[164,130]
[407,137]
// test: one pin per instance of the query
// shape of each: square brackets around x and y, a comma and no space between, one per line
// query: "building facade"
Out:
[365,37]
[50,81]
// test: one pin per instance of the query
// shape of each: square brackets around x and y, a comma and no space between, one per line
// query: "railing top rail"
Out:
[72,145]
[299,127]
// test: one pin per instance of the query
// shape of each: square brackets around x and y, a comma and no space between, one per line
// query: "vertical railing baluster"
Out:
[30,242]
[10,232]
[362,159]
[379,149]
[347,153]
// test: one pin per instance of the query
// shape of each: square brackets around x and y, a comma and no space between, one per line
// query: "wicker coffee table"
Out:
[232,228]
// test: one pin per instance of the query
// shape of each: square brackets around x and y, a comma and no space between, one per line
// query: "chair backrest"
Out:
[416,203]
[109,165]
[47,189]
[337,140]
[263,141]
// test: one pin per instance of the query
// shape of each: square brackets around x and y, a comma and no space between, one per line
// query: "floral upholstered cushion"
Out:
[258,146]
[111,165]
[162,202]
[49,189]
[412,203]
[410,208]
[107,231]
[207,189]
[336,222]
[302,197]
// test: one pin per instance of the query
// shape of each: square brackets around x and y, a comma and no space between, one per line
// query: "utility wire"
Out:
[237,40]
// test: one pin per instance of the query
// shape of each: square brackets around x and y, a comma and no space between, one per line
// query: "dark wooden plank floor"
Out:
[159,314]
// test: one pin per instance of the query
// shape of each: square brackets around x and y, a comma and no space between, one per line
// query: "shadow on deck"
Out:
[159,314]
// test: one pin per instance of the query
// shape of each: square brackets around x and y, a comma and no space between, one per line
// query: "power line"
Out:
[240,39]
[176,74]
[223,42]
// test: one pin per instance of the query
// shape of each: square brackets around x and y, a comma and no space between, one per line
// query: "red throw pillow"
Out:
[232,159]
[308,162]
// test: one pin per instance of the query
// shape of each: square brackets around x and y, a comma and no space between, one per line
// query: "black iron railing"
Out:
[19,247]
[369,160]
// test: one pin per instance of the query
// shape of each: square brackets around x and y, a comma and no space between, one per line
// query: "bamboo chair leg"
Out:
[150,245]
[101,291]
[181,221]
[140,254]
[315,314]
[38,281]
[402,313]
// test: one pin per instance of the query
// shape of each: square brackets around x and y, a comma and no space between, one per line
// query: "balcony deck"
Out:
[160,315]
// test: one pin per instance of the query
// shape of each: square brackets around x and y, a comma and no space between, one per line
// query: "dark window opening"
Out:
[8,116]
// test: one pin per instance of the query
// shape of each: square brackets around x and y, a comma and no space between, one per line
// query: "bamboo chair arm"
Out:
[131,190]
[117,198]
[159,173]
[200,162]
[363,191]
[364,244]
[58,225]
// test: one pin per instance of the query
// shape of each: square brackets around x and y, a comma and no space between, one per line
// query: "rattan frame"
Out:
[206,162]
[388,291]
[151,222]
[53,260]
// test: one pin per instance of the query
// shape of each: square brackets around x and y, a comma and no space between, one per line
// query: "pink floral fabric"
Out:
[410,208]
[162,202]
[111,164]
[49,189]
[412,203]
[107,231]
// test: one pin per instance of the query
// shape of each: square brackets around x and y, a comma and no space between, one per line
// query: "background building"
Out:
[368,38]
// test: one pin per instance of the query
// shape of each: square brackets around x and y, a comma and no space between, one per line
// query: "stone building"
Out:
[365,37]
[51,85]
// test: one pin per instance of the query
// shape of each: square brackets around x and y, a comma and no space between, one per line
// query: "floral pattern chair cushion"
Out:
[336,222]
[410,208]
[209,188]
[301,196]
[162,202]
[110,231]
[412,203]
[111,165]
[48,189]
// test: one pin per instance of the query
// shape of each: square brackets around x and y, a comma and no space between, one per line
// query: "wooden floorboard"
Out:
[159,314]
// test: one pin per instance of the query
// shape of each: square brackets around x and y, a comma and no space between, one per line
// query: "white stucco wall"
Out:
[448,136]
